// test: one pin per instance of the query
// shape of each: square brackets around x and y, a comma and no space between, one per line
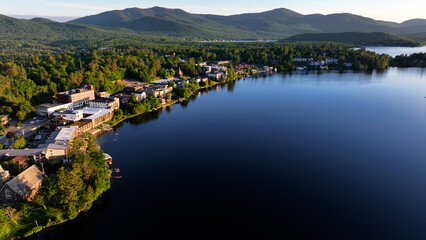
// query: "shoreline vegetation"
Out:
[64,194]
[31,79]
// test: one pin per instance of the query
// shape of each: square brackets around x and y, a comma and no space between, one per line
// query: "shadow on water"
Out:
[82,222]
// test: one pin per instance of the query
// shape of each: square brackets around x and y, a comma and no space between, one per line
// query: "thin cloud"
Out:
[73,5]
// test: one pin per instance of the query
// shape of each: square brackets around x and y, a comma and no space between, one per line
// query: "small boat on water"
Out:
[116,170]
[115,139]
[116,134]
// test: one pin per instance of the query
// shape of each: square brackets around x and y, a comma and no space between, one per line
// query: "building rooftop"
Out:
[164,81]
[23,152]
[29,178]
[48,105]
[95,112]
[75,91]
[4,175]
[66,133]
[107,100]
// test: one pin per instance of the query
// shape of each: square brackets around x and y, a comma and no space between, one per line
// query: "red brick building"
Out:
[76,95]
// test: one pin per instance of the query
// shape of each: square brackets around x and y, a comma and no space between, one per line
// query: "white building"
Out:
[105,103]
[48,108]
[140,96]
[215,76]
[69,115]
[59,141]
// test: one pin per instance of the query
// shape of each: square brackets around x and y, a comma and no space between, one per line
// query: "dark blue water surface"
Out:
[296,156]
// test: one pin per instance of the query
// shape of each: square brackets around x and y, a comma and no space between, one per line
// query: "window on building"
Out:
[8,194]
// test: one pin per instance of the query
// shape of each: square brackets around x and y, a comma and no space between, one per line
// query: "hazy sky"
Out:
[393,10]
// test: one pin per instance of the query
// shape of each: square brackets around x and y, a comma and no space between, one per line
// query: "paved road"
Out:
[27,128]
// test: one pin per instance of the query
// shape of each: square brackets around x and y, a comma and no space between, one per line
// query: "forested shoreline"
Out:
[30,79]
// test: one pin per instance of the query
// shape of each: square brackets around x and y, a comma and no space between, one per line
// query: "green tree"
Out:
[20,143]
[2,129]
[69,185]
[21,115]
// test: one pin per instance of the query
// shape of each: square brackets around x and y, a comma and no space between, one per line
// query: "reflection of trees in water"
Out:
[231,86]
[185,103]
[169,109]
[146,117]
[193,97]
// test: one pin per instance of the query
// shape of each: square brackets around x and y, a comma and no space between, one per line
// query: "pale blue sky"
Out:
[391,10]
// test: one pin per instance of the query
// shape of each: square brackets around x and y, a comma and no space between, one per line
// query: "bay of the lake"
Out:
[284,156]
[395,51]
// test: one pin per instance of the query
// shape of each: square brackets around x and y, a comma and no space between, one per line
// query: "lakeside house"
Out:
[215,76]
[22,187]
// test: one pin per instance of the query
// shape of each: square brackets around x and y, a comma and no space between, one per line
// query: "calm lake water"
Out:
[300,156]
[395,51]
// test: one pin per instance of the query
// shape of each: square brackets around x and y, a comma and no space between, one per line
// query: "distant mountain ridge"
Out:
[357,38]
[274,24]
[130,26]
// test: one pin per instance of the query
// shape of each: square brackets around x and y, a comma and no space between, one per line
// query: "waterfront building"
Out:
[95,117]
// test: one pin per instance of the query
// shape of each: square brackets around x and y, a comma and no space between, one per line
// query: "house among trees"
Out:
[22,187]
[22,161]
[178,72]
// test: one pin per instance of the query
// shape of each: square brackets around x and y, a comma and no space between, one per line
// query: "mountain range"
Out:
[157,22]
[274,24]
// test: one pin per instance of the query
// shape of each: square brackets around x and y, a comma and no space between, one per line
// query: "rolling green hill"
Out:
[357,38]
[40,29]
